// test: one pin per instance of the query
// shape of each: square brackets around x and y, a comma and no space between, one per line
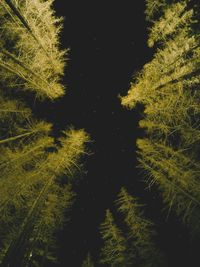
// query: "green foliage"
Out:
[168,88]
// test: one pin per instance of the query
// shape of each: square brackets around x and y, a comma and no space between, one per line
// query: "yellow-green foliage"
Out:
[36,169]
[134,246]
[29,45]
[37,200]
[177,175]
[113,251]
[72,147]
[154,8]
[140,233]
[168,88]
[174,19]
[50,219]
[32,198]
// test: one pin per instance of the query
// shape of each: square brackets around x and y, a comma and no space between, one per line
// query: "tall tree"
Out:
[30,51]
[114,249]
[142,250]
[37,169]
[133,243]
[38,201]
[168,87]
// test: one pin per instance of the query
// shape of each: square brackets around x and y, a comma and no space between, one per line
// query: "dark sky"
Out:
[107,41]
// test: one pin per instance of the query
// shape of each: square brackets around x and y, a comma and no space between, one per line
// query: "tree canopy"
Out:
[168,88]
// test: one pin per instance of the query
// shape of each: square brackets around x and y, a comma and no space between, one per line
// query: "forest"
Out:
[42,164]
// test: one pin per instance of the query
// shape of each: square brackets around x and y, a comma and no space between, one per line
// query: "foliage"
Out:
[140,232]
[134,244]
[33,209]
[37,169]
[113,252]
[168,88]
[153,8]
[30,53]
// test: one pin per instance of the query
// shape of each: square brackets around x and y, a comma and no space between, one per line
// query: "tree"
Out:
[133,245]
[114,249]
[177,177]
[142,250]
[30,200]
[168,88]
[37,168]
[30,51]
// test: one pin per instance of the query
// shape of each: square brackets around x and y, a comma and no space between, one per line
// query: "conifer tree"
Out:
[30,51]
[142,250]
[37,203]
[133,243]
[114,249]
[168,88]
[37,170]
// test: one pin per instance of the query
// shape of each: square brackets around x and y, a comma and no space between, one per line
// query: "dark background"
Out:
[107,41]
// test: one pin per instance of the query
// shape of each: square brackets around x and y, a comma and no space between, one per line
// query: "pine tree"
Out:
[134,245]
[37,169]
[30,51]
[88,262]
[38,206]
[168,88]
[114,249]
[142,250]
[177,177]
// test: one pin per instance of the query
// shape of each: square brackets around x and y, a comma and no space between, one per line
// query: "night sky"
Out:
[107,44]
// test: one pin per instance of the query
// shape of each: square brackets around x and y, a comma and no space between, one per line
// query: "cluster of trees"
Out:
[134,245]
[37,169]
[168,88]
[131,244]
